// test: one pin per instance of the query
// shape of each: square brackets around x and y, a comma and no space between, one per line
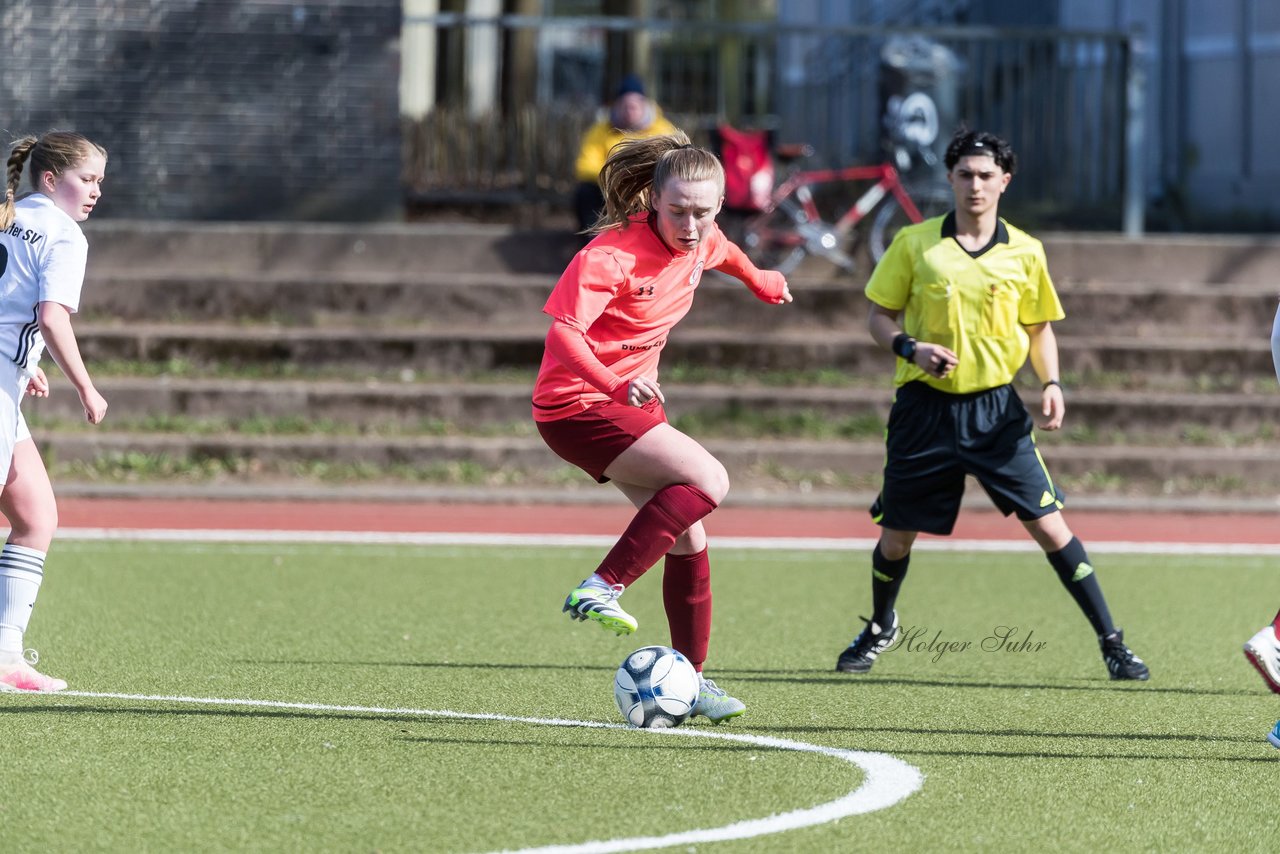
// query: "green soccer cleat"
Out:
[715,704]
[600,603]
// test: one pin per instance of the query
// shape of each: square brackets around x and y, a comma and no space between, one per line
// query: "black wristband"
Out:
[1052,382]
[903,346]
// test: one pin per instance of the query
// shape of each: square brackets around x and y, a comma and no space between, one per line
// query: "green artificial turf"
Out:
[1021,749]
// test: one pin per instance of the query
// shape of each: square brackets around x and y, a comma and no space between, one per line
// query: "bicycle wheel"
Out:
[773,240]
[933,201]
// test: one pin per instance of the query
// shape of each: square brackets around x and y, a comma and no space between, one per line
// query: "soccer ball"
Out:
[656,687]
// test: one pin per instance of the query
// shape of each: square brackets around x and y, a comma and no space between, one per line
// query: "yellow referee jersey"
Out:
[976,307]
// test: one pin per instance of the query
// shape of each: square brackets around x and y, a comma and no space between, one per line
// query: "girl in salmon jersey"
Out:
[42,262]
[597,401]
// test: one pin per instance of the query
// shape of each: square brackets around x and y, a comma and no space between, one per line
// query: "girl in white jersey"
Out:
[42,261]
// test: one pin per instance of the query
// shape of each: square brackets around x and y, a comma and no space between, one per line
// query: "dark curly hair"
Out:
[966,142]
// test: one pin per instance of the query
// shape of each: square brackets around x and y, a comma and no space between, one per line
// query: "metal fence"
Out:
[510,96]
[238,109]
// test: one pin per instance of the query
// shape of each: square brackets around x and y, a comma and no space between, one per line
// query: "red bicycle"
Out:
[791,226]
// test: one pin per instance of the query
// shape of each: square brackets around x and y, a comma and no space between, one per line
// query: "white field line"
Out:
[886,781]
[754,543]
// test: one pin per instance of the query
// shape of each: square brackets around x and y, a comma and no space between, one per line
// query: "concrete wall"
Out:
[1211,67]
[216,109]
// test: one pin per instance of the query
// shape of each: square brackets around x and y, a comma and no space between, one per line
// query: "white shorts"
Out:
[13,427]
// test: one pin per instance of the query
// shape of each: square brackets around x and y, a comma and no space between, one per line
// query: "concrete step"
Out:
[1168,259]
[355,404]
[427,300]
[430,298]
[466,349]
[1156,310]
[298,299]
[245,249]
[239,248]
[1253,470]
[475,406]
[456,300]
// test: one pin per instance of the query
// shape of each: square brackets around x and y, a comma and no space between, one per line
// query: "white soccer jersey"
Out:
[42,259]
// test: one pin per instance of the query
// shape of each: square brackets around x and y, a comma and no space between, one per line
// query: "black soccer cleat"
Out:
[867,646]
[1121,662]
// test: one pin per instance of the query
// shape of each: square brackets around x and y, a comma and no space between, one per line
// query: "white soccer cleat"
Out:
[599,603]
[715,704]
[16,674]
[1263,652]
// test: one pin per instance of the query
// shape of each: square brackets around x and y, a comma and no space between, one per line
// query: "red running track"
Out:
[1091,526]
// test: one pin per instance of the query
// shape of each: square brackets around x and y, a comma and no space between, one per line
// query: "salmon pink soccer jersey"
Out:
[625,291]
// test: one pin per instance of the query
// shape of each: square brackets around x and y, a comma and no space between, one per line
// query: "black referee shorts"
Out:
[934,439]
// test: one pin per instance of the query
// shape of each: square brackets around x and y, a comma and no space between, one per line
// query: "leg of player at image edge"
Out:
[21,571]
[1263,652]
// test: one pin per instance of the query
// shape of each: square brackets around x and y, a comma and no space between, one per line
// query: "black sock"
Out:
[886,579]
[1075,572]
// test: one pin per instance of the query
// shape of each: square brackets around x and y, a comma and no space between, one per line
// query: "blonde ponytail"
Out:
[636,166]
[13,177]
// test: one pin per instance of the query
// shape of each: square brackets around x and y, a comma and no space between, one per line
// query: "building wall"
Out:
[217,109]
[1210,108]
[1211,67]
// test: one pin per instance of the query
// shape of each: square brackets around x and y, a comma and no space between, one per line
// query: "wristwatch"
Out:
[904,346]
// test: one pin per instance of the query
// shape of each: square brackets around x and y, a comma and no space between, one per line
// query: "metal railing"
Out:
[511,95]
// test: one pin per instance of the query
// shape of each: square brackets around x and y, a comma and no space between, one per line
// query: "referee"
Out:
[962,300]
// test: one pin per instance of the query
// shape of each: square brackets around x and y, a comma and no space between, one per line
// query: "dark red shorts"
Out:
[592,440]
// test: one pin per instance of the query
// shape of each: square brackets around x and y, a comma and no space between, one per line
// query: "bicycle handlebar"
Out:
[793,150]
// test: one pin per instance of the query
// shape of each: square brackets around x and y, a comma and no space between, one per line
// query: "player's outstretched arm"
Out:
[769,285]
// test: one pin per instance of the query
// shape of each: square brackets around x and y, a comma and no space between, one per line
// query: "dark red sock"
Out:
[1275,625]
[686,593]
[653,530]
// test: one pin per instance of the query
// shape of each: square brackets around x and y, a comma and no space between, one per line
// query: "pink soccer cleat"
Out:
[17,675]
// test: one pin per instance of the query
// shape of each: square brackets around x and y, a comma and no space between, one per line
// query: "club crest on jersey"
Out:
[696,275]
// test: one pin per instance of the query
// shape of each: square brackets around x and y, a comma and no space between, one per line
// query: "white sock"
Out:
[594,580]
[21,571]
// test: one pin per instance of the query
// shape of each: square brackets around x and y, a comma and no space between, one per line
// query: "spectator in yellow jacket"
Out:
[632,115]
